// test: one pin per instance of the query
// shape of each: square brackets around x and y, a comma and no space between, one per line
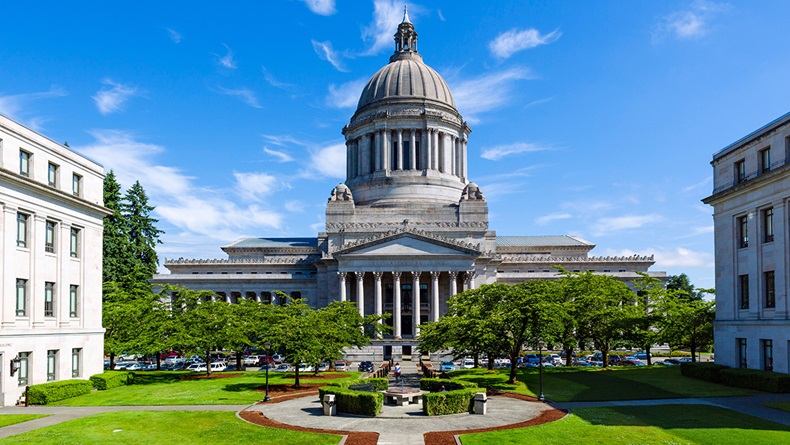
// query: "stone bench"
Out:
[402,399]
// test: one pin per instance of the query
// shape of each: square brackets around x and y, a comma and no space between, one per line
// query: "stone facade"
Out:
[50,310]
[407,229]
[751,184]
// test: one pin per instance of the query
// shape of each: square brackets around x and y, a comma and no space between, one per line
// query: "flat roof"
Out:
[541,240]
[764,129]
[273,242]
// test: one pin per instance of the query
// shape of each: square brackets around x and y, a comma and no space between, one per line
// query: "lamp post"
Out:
[540,369]
[268,346]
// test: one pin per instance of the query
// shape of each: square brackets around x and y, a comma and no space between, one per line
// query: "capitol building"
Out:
[406,230]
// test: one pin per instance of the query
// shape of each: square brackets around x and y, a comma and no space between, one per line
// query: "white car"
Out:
[278,358]
[217,366]
[282,368]
[467,364]
[251,360]
[341,366]
[196,367]
[304,367]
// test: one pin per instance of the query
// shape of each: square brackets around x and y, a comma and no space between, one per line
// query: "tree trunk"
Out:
[693,347]
[238,361]
[158,362]
[112,360]
[477,359]
[513,367]
[296,378]
[605,355]
[647,351]
[490,364]
[569,356]
[208,363]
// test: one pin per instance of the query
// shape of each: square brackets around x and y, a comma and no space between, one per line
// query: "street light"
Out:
[268,346]
[540,369]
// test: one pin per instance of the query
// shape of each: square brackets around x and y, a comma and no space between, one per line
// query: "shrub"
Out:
[756,379]
[111,379]
[435,385]
[52,392]
[354,402]
[703,371]
[449,402]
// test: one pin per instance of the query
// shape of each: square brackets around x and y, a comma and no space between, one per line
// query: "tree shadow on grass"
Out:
[241,387]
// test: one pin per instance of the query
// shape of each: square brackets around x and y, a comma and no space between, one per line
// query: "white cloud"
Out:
[254,186]
[692,22]
[330,161]
[227,60]
[613,224]
[387,14]
[243,94]
[280,155]
[671,257]
[325,52]
[321,7]
[345,95]
[543,220]
[294,206]
[441,16]
[175,36]
[513,41]
[112,97]
[283,140]
[272,81]
[487,92]
[17,106]
[500,151]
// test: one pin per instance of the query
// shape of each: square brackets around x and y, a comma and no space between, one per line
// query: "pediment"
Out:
[407,244]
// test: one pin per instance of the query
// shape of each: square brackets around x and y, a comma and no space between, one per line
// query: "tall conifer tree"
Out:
[117,251]
[143,234]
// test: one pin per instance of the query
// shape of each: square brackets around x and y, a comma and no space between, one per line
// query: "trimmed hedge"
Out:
[703,371]
[449,402]
[378,384]
[435,384]
[52,392]
[756,379]
[354,402]
[112,379]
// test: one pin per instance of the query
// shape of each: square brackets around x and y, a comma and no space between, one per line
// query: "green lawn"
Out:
[663,424]
[168,388]
[784,406]
[164,427]
[597,384]
[10,419]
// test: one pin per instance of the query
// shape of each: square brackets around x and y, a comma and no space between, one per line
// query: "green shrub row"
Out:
[52,392]
[354,402]
[112,379]
[379,384]
[435,384]
[703,371]
[449,402]
[756,379]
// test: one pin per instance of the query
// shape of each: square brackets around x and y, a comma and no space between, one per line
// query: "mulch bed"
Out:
[214,375]
[311,376]
[281,393]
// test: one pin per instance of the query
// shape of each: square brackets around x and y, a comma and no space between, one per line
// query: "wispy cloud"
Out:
[113,96]
[325,52]
[441,16]
[243,94]
[17,106]
[694,187]
[689,23]
[294,206]
[387,14]
[284,140]
[329,161]
[280,155]
[227,60]
[500,151]
[513,41]
[254,186]
[487,92]
[543,220]
[345,95]
[175,36]
[609,225]
[272,81]
[321,7]
[667,257]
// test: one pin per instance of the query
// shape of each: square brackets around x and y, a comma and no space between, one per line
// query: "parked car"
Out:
[642,355]
[271,367]
[582,363]
[555,359]
[627,362]
[323,367]
[217,366]
[251,360]
[278,358]
[670,362]
[282,368]
[304,367]
[447,366]
[366,366]
[195,367]
[341,366]
[468,363]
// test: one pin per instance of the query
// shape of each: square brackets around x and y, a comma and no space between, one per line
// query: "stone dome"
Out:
[406,78]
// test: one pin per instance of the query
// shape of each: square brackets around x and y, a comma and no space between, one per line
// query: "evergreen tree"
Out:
[143,234]
[117,251]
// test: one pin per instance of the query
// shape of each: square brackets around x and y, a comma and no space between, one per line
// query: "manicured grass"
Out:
[784,406]
[10,419]
[169,388]
[662,424]
[164,427]
[597,384]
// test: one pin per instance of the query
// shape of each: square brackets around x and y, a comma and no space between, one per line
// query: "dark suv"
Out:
[366,366]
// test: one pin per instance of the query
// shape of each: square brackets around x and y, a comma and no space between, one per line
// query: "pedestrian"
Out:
[396,371]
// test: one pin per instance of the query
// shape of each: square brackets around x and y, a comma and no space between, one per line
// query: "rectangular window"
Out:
[741,352]
[765,159]
[21,229]
[768,355]
[49,299]
[74,244]
[740,171]
[76,184]
[76,355]
[24,163]
[74,298]
[52,365]
[743,231]
[21,298]
[768,225]
[743,291]
[49,236]
[52,175]
[23,368]
[770,294]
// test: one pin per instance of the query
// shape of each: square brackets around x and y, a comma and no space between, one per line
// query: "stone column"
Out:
[399,151]
[377,294]
[780,267]
[385,160]
[360,292]
[463,159]
[435,149]
[413,149]
[415,286]
[435,295]
[458,157]
[342,277]
[348,160]
[453,282]
[377,150]
[396,304]
[470,279]
[453,153]
[424,155]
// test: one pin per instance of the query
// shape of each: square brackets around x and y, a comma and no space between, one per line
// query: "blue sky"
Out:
[596,119]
